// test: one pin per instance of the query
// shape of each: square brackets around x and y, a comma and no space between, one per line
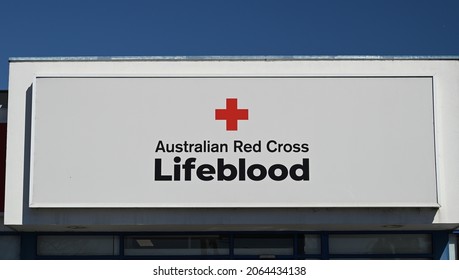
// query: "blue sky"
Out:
[45,28]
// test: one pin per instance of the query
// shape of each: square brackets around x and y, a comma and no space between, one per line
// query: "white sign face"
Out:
[233,142]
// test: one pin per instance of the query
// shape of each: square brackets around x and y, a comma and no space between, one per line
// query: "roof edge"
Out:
[224,58]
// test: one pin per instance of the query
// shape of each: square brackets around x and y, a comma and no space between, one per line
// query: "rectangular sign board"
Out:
[232,142]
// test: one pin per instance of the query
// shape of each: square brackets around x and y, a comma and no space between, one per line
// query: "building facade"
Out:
[231,158]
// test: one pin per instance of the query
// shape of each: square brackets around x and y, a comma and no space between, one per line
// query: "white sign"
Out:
[233,142]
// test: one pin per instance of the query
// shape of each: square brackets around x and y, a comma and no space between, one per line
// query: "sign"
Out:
[233,142]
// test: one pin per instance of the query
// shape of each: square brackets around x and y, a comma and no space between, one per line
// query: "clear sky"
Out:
[44,28]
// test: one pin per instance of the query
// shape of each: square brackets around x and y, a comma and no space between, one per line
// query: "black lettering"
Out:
[177,169]
[296,148]
[304,148]
[160,147]
[251,172]
[268,146]
[187,166]
[205,169]
[221,167]
[272,172]
[302,167]
[229,172]
[238,146]
[158,173]
[257,147]
[242,169]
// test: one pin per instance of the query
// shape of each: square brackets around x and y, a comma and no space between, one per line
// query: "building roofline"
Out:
[223,58]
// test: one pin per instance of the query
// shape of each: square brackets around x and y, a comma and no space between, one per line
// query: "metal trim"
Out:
[229,58]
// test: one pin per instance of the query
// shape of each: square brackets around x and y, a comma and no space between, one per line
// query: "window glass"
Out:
[380,244]
[10,247]
[68,245]
[359,259]
[312,244]
[263,245]
[176,245]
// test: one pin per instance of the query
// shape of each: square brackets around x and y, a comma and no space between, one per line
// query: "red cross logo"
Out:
[231,114]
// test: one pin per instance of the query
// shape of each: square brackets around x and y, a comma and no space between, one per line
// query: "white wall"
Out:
[445,75]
